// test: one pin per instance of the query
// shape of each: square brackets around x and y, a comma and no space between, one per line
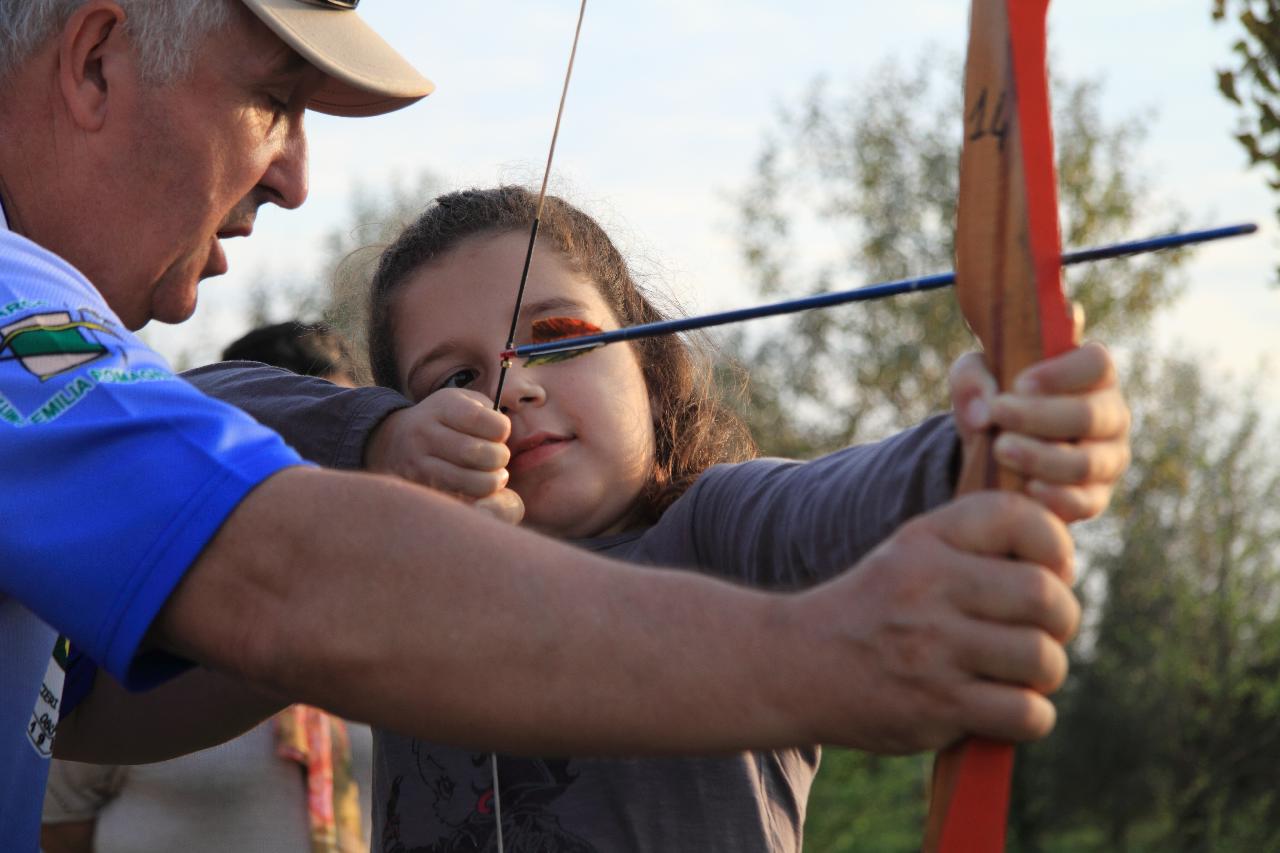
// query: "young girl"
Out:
[615,450]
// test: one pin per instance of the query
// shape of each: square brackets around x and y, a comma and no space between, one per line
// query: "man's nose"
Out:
[286,181]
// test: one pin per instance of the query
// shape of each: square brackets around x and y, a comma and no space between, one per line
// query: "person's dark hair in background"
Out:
[309,349]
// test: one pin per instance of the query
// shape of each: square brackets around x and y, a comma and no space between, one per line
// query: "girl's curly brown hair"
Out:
[693,428]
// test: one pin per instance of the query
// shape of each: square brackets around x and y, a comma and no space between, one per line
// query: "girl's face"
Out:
[582,446]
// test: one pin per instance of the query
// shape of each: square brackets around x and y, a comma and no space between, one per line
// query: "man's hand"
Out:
[454,442]
[954,626]
[1064,426]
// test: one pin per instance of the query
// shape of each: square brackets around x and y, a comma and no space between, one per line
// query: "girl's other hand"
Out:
[1064,426]
[452,441]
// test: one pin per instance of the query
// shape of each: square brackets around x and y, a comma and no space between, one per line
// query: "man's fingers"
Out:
[1005,712]
[954,624]
[1003,524]
[1071,503]
[1014,654]
[1007,592]
[1013,668]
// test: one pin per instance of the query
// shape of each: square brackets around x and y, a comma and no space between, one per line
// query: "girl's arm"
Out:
[326,423]
[782,523]
[1064,426]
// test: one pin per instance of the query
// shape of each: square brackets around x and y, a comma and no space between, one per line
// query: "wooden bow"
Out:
[1009,284]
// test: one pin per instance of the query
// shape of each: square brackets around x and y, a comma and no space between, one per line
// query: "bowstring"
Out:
[515,321]
[537,214]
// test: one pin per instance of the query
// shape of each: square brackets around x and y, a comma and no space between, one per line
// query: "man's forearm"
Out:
[387,603]
[194,711]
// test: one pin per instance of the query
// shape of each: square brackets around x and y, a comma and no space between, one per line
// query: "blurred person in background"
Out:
[308,349]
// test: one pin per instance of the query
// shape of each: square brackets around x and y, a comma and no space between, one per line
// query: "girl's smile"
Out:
[531,452]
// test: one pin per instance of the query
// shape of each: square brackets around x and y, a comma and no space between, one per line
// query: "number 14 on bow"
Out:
[1009,284]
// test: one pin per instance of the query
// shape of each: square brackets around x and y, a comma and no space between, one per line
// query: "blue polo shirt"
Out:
[114,475]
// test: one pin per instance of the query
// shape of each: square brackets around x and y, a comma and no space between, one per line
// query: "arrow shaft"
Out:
[861,294]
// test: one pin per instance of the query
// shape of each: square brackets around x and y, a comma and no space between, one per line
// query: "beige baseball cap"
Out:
[366,75]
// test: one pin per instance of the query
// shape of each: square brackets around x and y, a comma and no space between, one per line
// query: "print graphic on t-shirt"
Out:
[448,806]
[52,342]
[44,716]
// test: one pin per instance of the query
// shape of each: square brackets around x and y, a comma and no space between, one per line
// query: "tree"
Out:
[1168,724]
[871,176]
[1253,84]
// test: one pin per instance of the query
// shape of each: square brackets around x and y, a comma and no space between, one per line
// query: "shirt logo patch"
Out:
[52,343]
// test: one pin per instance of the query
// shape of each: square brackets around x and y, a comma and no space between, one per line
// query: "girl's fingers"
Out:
[473,453]
[1061,463]
[463,482]
[1100,415]
[972,388]
[472,414]
[1085,368]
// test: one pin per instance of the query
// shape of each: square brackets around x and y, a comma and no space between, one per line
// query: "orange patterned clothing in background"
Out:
[319,742]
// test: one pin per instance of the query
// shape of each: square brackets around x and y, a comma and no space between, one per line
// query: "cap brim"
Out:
[366,76]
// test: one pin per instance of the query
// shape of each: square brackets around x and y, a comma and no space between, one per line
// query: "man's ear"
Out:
[89,50]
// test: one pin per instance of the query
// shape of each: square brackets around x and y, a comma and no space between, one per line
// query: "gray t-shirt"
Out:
[768,523]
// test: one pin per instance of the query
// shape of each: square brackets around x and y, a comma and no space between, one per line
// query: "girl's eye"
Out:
[459,379]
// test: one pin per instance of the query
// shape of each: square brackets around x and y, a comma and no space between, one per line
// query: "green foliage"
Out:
[1253,83]
[872,175]
[867,803]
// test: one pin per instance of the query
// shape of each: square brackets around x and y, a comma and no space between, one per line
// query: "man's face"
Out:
[194,164]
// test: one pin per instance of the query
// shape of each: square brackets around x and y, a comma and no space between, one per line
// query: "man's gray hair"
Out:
[166,32]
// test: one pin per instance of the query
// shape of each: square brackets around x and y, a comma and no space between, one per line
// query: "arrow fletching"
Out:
[551,329]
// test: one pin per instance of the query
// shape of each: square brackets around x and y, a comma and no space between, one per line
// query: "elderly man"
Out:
[153,526]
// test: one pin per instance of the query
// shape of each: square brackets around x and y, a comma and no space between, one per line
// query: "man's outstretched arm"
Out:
[384,602]
[397,605]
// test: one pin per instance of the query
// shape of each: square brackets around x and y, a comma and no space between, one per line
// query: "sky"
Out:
[667,111]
